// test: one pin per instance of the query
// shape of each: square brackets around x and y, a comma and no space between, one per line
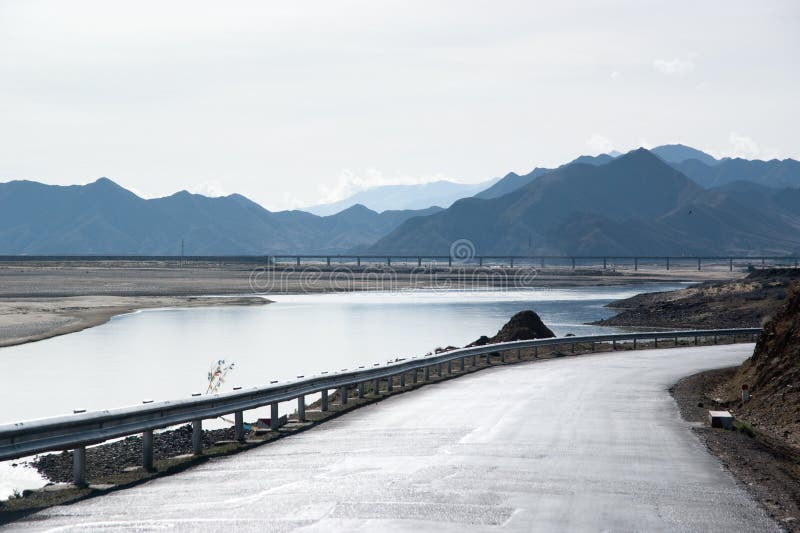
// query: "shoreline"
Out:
[25,320]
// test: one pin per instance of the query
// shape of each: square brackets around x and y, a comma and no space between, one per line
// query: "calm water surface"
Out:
[165,354]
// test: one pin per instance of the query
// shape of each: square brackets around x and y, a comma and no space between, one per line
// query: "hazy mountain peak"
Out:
[677,153]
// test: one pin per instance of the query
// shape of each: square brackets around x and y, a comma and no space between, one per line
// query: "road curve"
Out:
[590,443]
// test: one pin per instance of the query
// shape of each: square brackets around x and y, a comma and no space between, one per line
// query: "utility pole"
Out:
[181,264]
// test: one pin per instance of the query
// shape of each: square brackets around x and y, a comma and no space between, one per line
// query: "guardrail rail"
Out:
[81,429]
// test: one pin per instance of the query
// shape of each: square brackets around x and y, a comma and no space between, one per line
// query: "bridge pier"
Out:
[402,380]
[426,374]
[301,408]
[376,387]
[343,395]
[360,389]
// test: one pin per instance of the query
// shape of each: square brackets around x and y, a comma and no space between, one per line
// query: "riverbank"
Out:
[740,303]
[25,320]
[768,468]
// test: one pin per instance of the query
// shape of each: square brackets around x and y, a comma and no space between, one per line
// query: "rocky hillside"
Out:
[773,376]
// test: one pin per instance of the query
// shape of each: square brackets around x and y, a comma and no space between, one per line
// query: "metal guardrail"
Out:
[76,431]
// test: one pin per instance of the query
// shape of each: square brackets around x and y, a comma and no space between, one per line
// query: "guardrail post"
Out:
[474,360]
[463,363]
[419,261]
[699,264]
[695,340]
[323,404]
[614,345]
[301,408]
[730,265]
[634,344]
[426,374]
[147,450]
[343,395]
[197,437]
[440,370]
[593,347]
[503,356]
[449,367]
[572,348]
[238,426]
[298,261]
[715,339]
[536,351]
[274,418]
[667,263]
[605,263]
[636,263]
[360,389]
[573,263]
[389,383]
[676,340]
[79,466]
[655,342]
[519,354]
[402,380]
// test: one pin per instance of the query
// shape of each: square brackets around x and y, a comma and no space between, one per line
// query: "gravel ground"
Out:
[769,469]
[113,458]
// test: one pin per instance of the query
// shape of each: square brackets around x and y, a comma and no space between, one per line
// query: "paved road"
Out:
[576,444]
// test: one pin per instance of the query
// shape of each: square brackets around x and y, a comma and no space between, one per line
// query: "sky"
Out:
[298,103]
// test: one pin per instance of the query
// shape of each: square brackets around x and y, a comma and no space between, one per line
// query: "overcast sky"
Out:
[292,103]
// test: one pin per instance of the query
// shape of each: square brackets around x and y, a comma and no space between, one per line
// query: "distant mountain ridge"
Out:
[440,193]
[634,205]
[104,218]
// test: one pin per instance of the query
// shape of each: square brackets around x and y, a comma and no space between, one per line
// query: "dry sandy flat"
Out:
[31,319]
[41,301]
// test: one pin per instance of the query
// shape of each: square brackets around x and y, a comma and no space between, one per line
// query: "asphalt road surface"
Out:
[591,443]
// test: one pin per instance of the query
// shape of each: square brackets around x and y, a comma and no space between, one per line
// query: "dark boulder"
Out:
[523,326]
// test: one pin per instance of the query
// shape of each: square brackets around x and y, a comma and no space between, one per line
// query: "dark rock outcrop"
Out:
[523,326]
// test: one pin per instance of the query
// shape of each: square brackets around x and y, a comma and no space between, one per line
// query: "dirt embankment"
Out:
[764,452]
[768,468]
[748,302]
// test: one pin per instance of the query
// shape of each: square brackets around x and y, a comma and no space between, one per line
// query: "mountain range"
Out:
[636,204]
[104,218]
[672,200]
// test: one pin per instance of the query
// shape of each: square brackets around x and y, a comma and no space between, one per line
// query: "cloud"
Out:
[615,75]
[743,146]
[674,66]
[598,144]
[211,188]
[349,183]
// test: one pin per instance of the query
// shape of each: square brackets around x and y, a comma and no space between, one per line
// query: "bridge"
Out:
[427,261]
